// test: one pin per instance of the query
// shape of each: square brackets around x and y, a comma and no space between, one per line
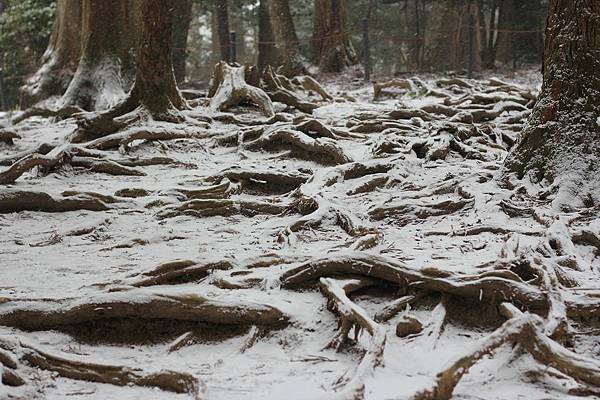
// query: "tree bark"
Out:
[105,71]
[291,61]
[155,84]
[222,22]
[332,47]
[267,52]
[60,59]
[183,19]
[561,141]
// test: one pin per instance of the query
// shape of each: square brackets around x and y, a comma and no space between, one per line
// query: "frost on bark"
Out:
[105,70]
[183,19]
[267,52]
[333,50]
[561,142]
[61,57]
[291,61]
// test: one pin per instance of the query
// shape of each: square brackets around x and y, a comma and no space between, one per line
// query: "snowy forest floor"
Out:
[392,213]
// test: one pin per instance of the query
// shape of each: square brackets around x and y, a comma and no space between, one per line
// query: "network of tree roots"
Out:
[393,211]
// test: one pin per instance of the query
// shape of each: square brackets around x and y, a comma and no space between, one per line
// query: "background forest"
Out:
[406,36]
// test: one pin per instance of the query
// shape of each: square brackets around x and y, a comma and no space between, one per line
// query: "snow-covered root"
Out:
[261,180]
[493,286]
[15,200]
[17,356]
[281,89]
[378,87]
[62,113]
[353,317]
[7,136]
[175,272]
[408,210]
[321,150]
[140,304]
[232,89]
[222,207]
[123,139]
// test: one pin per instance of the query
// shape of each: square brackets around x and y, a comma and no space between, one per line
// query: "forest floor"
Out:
[393,218]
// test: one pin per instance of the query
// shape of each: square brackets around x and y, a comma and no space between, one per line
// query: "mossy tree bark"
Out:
[332,47]
[105,71]
[291,61]
[61,57]
[561,141]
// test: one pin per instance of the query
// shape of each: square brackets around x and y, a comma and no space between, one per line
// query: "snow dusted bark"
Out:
[333,50]
[561,142]
[291,61]
[105,71]
[60,59]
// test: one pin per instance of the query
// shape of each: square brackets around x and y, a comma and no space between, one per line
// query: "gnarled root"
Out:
[14,200]
[141,304]
[171,381]
[231,89]
[279,88]
[176,272]
[62,113]
[353,316]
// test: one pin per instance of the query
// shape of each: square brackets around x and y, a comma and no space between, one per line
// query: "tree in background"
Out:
[25,27]
[561,142]
[183,20]
[267,51]
[291,61]
[332,47]
[155,89]
[105,70]
[221,27]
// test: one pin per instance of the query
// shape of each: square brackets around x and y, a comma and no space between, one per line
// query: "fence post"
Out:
[232,47]
[367,50]
[3,105]
[471,42]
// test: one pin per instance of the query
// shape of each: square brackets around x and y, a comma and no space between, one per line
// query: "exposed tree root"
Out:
[281,89]
[62,113]
[14,200]
[171,381]
[7,136]
[322,150]
[222,207]
[141,304]
[408,210]
[378,88]
[122,139]
[262,180]
[494,286]
[352,316]
[176,272]
[232,89]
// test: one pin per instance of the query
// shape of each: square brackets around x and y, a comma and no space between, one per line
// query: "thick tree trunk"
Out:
[183,19]
[105,71]
[291,61]
[333,50]
[61,57]
[561,142]
[155,85]
[267,52]
[222,25]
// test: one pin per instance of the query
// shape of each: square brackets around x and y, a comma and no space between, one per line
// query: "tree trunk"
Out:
[267,52]
[222,22]
[290,59]
[333,50]
[60,59]
[561,142]
[517,36]
[105,70]
[155,85]
[183,19]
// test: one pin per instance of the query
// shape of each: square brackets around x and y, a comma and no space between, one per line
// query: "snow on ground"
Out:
[39,261]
